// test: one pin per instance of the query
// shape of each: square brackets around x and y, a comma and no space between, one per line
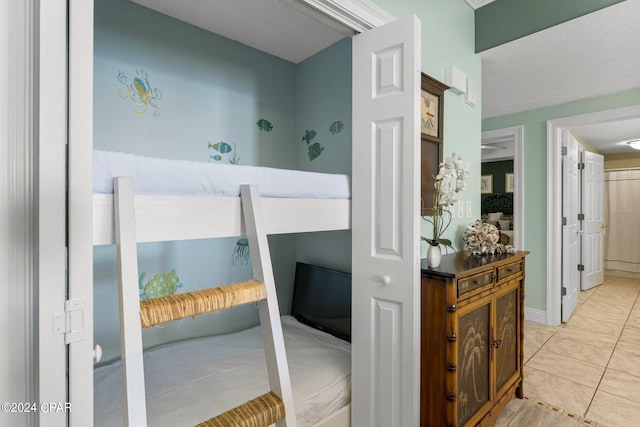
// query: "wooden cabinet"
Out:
[472,313]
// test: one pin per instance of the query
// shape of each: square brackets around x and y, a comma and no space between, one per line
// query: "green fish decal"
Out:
[315,150]
[159,285]
[336,127]
[308,136]
[221,147]
[264,125]
[217,157]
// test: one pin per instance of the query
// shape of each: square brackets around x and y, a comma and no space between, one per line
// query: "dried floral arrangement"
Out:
[484,239]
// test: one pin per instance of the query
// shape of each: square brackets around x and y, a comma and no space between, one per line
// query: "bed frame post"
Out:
[269,311]
[134,399]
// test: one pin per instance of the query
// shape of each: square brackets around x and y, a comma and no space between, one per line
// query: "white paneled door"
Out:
[385,209]
[593,224]
[570,228]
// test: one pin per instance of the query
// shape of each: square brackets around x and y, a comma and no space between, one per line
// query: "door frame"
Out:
[514,135]
[360,15]
[34,117]
[554,197]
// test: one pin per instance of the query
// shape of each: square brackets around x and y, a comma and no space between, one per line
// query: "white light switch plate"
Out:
[460,204]
[468,209]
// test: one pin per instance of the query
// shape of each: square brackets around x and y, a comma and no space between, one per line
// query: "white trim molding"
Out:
[80,203]
[535,315]
[5,224]
[554,197]
[19,278]
[50,203]
[356,15]
[475,4]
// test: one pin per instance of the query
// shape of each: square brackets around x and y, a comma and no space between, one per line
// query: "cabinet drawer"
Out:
[509,270]
[469,284]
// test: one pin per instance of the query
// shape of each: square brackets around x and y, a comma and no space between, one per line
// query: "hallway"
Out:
[588,369]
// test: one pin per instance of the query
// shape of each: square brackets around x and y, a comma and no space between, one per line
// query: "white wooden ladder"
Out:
[275,406]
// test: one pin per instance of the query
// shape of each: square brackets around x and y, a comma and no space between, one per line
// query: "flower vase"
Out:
[434,256]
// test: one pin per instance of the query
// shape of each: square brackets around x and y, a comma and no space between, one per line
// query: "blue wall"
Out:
[205,89]
[323,90]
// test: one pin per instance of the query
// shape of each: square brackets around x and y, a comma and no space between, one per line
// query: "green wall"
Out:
[535,181]
[506,20]
[448,40]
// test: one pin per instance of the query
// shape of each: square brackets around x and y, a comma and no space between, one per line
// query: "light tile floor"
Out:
[590,366]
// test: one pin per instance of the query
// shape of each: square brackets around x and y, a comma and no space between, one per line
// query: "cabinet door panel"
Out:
[506,337]
[474,365]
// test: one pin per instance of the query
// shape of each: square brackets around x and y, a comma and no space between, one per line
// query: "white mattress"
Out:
[192,381]
[183,177]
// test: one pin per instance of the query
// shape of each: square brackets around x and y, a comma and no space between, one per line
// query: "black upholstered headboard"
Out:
[498,203]
[322,299]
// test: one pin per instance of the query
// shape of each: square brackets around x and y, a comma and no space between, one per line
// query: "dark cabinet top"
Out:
[463,263]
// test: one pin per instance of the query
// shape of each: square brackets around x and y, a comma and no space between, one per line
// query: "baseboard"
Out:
[621,273]
[535,315]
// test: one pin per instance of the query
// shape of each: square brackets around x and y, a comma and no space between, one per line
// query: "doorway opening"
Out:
[507,145]
[555,130]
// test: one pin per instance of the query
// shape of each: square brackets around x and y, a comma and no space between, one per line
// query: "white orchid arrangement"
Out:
[484,239]
[450,181]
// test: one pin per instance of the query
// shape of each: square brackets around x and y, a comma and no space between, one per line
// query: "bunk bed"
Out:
[176,199]
[189,381]
[182,200]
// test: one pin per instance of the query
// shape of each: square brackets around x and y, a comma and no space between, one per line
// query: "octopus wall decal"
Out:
[140,92]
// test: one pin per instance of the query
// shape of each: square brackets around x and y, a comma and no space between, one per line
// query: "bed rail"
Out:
[165,218]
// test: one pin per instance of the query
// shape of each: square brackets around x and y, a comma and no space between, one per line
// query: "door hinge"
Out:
[564,220]
[580,166]
[565,151]
[564,291]
[581,217]
[72,321]
[580,267]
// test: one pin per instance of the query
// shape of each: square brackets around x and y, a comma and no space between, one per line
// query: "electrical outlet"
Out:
[468,209]
[460,204]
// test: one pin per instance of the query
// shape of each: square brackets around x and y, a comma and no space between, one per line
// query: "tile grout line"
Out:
[613,351]
[588,421]
[605,367]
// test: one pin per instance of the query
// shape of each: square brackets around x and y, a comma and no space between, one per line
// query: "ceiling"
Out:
[589,56]
[610,137]
[267,25]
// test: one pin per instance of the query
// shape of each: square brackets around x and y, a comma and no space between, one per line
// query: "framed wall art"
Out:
[432,137]
[486,184]
[509,183]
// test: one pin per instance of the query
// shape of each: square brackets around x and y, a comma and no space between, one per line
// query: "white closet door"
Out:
[386,251]
[593,226]
[570,229]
